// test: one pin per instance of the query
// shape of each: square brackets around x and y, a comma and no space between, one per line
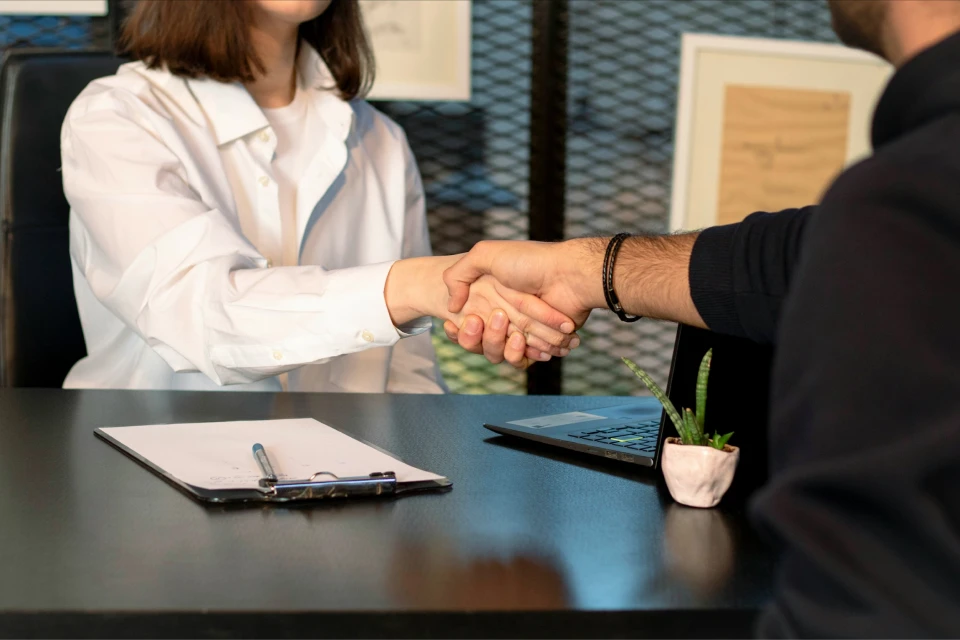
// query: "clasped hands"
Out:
[519,302]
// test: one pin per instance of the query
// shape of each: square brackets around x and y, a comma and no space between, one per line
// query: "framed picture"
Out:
[55,7]
[765,125]
[422,48]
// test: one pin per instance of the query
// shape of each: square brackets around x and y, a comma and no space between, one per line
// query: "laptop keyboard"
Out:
[640,438]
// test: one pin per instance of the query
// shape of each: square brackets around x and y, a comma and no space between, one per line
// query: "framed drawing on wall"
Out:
[422,48]
[55,7]
[765,125]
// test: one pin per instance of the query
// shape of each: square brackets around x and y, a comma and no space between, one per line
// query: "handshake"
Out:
[522,302]
[544,296]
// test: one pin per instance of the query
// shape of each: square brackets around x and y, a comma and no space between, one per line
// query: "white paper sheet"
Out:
[219,455]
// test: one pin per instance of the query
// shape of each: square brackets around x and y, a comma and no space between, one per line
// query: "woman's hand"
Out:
[415,288]
[503,339]
[497,344]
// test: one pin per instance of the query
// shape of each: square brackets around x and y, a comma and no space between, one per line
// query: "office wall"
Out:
[622,66]
[623,72]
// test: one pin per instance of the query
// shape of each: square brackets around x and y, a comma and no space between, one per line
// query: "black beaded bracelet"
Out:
[609,259]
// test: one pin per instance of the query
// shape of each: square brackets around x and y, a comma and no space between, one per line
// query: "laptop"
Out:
[633,431]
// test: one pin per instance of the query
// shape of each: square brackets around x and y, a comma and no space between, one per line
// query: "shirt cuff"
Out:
[359,290]
[415,327]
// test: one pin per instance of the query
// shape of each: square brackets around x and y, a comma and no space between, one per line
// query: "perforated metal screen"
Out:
[74,32]
[474,159]
[622,70]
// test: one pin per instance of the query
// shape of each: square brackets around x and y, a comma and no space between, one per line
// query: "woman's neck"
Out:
[276,45]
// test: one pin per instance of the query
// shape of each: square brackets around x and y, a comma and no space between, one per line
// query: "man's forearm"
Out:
[651,278]
[650,275]
[733,278]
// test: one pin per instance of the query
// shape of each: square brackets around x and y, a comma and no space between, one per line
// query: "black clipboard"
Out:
[322,485]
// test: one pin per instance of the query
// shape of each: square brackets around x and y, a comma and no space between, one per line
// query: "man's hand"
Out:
[414,288]
[558,273]
[650,277]
[565,275]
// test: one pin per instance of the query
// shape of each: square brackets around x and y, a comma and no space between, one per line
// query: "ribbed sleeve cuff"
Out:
[711,279]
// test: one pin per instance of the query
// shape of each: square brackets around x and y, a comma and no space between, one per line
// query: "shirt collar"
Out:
[233,113]
[924,89]
[337,114]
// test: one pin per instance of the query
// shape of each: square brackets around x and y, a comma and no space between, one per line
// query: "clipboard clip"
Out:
[375,484]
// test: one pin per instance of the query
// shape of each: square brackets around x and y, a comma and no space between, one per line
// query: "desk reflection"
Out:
[435,574]
[698,548]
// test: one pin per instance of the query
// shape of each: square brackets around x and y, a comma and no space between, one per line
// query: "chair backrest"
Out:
[40,336]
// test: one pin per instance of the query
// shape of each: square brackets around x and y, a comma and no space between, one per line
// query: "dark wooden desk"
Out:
[531,541]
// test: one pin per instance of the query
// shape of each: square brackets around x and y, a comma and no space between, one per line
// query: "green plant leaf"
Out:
[703,376]
[696,433]
[689,430]
[723,439]
[658,393]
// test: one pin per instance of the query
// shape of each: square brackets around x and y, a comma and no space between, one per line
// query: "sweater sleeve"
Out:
[740,273]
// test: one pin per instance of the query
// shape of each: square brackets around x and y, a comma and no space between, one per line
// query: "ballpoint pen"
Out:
[266,469]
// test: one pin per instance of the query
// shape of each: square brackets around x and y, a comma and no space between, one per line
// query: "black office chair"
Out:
[40,336]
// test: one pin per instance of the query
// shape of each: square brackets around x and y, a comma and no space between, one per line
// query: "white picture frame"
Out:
[54,7]
[422,48]
[710,65]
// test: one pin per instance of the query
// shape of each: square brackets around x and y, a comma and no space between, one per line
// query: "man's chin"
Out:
[859,23]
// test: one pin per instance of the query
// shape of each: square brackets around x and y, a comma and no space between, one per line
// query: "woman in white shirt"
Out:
[240,217]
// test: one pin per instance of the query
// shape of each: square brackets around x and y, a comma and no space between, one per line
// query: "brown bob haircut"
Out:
[197,38]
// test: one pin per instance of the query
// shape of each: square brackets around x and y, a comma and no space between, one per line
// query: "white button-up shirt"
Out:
[175,227]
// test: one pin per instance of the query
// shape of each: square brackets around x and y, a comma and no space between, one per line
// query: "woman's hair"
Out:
[211,38]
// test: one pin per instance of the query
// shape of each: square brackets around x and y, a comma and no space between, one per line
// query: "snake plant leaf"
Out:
[658,393]
[685,431]
[718,441]
[702,376]
[715,440]
[695,432]
[688,436]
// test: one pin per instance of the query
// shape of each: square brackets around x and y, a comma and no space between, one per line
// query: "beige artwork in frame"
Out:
[422,48]
[764,125]
[54,7]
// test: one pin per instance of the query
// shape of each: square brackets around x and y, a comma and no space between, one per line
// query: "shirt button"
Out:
[367,336]
[264,136]
[264,180]
[277,355]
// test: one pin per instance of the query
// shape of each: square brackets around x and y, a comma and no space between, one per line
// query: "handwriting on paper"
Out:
[781,148]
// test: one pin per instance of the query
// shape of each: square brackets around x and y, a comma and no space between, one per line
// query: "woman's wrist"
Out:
[414,288]
[397,294]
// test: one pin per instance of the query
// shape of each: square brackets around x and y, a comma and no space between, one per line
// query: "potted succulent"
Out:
[698,467]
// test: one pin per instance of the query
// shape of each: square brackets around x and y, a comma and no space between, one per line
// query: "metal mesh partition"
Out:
[475,157]
[474,161]
[623,72]
[74,32]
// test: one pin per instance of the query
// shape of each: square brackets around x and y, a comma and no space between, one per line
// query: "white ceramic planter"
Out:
[698,476]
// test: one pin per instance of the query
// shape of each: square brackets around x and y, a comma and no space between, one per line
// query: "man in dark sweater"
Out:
[860,296]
